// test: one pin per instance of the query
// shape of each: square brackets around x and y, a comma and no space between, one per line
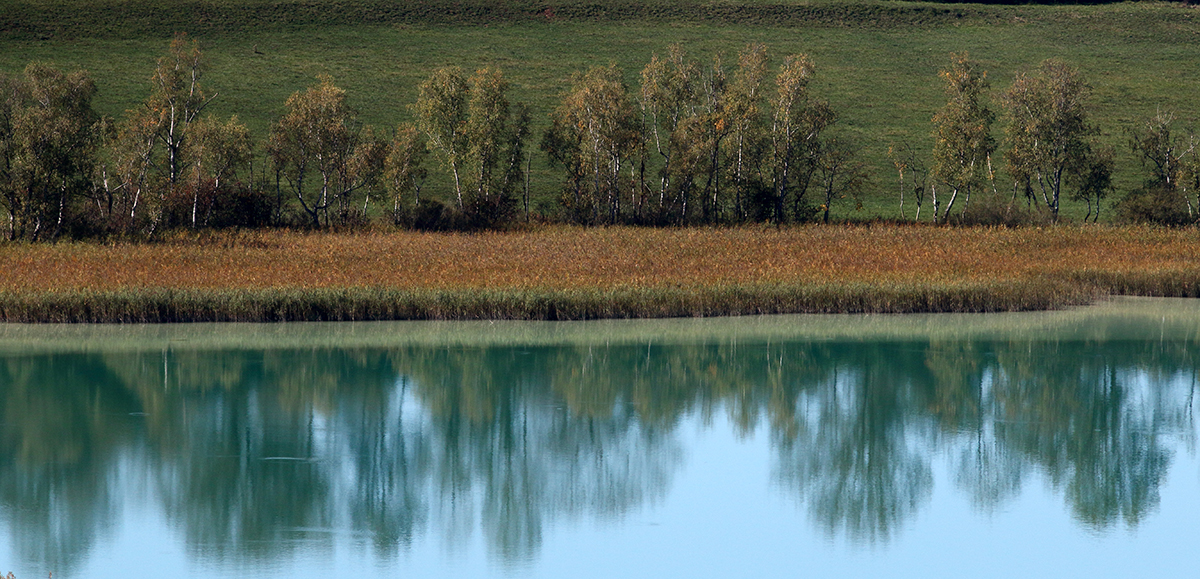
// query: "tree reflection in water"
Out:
[63,427]
[254,454]
[858,460]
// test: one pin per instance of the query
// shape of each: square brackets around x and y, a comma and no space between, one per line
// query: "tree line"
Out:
[695,143]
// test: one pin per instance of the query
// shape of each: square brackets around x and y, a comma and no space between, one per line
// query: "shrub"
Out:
[994,211]
[1155,205]
[228,205]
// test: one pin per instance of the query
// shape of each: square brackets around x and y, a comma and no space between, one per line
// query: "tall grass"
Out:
[361,304]
[575,273]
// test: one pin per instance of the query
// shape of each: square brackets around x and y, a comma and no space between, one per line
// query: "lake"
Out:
[951,445]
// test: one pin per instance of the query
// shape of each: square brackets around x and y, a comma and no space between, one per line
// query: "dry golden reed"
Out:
[564,272]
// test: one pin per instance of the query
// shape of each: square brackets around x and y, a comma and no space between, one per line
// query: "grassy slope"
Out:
[571,273]
[878,61]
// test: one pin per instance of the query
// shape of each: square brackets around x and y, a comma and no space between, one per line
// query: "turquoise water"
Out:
[1055,443]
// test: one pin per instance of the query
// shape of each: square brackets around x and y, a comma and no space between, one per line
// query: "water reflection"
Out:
[62,431]
[254,453]
[860,456]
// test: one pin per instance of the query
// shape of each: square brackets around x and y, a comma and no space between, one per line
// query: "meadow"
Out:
[877,60]
[584,273]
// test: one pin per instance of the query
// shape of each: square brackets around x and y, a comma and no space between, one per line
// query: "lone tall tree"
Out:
[962,133]
[178,98]
[1048,129]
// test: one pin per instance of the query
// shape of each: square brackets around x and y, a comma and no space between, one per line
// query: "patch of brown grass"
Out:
[909,263]
[574,258]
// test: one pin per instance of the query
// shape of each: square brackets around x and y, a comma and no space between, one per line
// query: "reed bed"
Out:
[576,273]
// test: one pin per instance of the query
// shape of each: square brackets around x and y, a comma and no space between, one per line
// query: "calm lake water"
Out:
[1040,444]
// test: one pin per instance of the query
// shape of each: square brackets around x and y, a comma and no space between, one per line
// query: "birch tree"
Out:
[962,137]
[797,122]
[217,150]
[683,107]
[593,134]
[48,144]
[1048,128]
[177,99]
[441,114]
[839,173]
[516,167]
[147,160]
[495,146]
[486,128]
[404,171]
[318,148]
[713,125]
[667,99]
[1169,158]
[130,174]
[907,162]
[743,106]
[1092,177]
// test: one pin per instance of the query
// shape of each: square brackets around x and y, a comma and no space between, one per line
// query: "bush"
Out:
[491,212]
[229,205]
[433,215]
[994,211]
[1154,205]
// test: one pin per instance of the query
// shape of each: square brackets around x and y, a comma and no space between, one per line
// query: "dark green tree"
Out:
[48,141]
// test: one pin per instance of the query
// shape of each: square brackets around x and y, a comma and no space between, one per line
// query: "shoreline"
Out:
[1110,318]
[154,306]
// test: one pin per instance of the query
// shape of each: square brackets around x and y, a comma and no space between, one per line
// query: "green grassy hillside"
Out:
[877,61]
